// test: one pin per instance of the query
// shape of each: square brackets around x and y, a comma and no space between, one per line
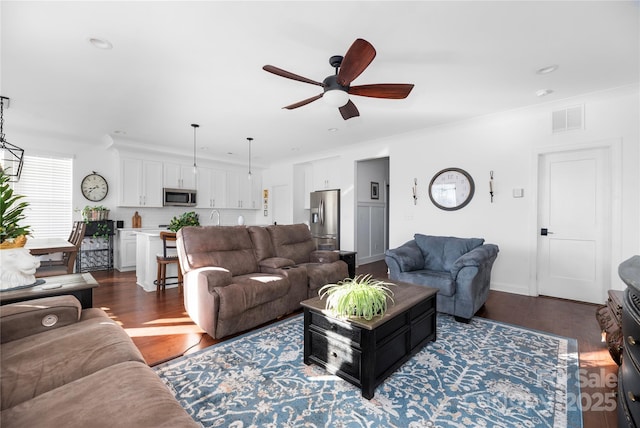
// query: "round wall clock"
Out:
[94,187]
[451,189]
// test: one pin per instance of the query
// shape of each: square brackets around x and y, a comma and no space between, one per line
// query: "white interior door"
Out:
[574,209]
[281,204]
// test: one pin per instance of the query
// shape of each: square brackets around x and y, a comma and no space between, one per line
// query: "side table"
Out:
[349,257]
[80,285]
[609,317]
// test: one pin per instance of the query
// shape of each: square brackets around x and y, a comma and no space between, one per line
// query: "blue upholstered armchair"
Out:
[459,268]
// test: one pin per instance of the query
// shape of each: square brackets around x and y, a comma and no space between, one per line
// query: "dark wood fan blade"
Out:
[394,91]
[357,58]
[304,102]
[284,73]
[349,110]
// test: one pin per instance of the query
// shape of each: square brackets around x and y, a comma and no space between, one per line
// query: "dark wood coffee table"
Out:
[363,352]
[80,285]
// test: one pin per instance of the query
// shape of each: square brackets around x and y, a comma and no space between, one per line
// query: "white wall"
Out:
[508,144]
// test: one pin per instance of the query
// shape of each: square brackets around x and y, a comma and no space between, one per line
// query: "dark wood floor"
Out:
[162,330]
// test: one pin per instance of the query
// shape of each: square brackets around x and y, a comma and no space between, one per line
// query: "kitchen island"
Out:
[148,246]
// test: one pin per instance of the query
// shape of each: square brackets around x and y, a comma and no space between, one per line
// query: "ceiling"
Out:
[177,63]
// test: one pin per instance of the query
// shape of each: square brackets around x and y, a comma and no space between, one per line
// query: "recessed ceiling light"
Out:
[100,43]
[548,69]
[332,129]
[543,92]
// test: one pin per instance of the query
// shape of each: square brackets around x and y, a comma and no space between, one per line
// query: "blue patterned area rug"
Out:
[482,374]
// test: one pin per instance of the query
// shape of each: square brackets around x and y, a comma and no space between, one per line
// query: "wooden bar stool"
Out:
[169,255]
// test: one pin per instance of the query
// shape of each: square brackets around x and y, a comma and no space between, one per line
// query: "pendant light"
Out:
[250,140]
[195,166]
[11,156]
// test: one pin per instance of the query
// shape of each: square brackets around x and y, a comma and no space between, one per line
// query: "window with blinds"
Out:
[46,183]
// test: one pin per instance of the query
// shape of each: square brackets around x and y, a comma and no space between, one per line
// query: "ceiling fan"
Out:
[338,87]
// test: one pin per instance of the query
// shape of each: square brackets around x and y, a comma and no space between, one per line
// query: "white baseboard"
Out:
[510,288]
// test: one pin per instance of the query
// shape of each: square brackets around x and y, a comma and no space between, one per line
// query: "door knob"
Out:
[544,232]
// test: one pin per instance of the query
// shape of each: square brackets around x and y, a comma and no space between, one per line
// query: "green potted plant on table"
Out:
[359,297]
[95,213]
[186,219]
[12,234]
[18,266]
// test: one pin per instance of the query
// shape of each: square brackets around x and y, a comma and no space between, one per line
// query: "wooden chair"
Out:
[169,255]
[67,264]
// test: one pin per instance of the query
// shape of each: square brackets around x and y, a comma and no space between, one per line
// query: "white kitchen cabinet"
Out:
[243,193]
[125,250]
[212,188]
[325,174]
[178,176]
[140,183]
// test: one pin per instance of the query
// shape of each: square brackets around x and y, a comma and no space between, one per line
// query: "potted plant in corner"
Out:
[186,219]
[360,297]
[18,266]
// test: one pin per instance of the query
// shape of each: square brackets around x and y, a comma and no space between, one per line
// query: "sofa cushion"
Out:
[292,241]
[128,394]
[249,291]
[441,252]
[261,242]
[39,363]
[228,247]
[440,280]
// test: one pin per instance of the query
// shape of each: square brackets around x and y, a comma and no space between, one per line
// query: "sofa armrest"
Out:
[324,256]
[215,276]
[407,257]
[476,257]
[276,263]
[22,319]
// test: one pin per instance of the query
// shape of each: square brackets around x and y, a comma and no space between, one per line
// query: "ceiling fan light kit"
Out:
[337,88]
[335,98]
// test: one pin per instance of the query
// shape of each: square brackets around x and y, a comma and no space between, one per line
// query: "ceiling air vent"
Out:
[567,119]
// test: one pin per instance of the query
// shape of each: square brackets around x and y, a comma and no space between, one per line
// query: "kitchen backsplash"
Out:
[154,217]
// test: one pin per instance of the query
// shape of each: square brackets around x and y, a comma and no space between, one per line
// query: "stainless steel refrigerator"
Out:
[325,219]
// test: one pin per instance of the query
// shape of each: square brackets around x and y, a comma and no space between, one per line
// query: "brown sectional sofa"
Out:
[237,277]
[61,366]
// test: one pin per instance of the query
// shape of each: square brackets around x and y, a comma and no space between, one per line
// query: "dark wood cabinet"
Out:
[363,352]
[609,317]
[629,372]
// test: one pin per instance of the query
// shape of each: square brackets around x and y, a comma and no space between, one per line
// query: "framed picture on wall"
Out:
[375,190]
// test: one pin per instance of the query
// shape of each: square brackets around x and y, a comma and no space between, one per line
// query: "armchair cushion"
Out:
[441,252]
[36,316]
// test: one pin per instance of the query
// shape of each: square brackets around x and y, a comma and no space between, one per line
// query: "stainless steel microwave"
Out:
[179,198]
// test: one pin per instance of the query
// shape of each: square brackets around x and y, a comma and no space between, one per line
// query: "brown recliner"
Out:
[225,290]
[294,241]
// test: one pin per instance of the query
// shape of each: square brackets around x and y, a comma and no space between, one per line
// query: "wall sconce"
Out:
[11,156]
[415,191]
[491,185]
